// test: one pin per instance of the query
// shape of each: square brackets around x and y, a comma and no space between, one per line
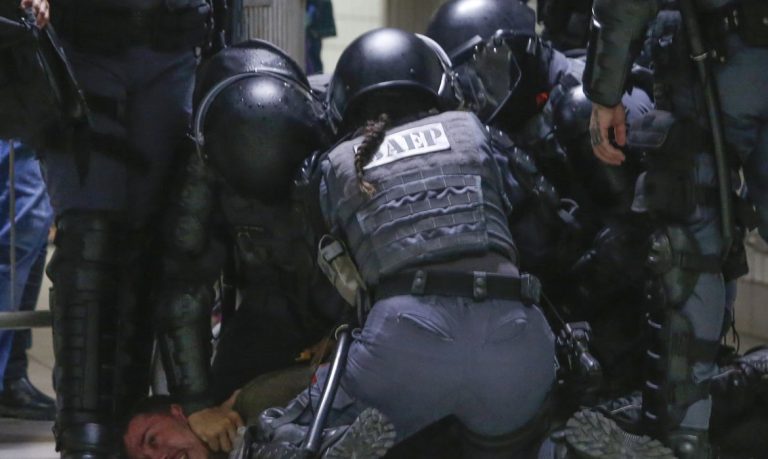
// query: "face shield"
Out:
[491,71]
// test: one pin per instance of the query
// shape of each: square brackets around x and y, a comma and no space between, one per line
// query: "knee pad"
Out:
[87,248]
[184,332]
[675,261]
[669,188]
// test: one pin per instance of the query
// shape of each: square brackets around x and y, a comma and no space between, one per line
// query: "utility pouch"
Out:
[754,22]
[670,145]
[669,49]
[337,265]
[735,264]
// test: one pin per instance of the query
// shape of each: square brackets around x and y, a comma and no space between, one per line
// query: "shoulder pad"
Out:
[500,139]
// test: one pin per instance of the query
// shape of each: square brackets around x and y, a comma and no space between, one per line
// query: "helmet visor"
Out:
[498,73]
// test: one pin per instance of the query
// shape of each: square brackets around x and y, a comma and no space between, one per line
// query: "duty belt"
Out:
[478,285]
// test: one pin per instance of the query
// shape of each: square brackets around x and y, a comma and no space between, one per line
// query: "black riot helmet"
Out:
[497,56]
[248,56]
[391,60]
[255,128]
[566,22]
[459,21]
[611,188]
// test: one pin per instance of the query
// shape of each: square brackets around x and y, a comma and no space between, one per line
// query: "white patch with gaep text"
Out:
[411,142]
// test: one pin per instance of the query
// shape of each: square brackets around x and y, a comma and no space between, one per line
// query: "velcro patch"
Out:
[411,142]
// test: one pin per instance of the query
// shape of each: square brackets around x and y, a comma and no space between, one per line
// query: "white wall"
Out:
[353,17]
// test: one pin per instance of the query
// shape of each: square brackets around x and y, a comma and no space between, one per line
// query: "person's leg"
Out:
[351,429]
[417,345]
[745,118]
[756,175]
[404,363]
[100,269]
[24,261]
[508,381]
[689,300]
[158,113]
[22,340]
[32,220]
[84,268]
[689,327]
[19,397]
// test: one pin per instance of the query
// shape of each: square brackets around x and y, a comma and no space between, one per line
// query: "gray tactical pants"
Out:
[153,91]
[491,364]
[743,86]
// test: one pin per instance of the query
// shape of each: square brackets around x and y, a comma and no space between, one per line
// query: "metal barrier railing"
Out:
[21,320]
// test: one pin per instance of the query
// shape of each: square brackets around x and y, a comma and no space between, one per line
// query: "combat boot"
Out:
[20,399]
[754,363]
[369,437]
[591,434]
[690,444]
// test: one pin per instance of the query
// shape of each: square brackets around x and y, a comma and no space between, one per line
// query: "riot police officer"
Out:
[416,194]
[565,228]
[566,23]
[236,211]
[689,244]
[513,80]
[135,61]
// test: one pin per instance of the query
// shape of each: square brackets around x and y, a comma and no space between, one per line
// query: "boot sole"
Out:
[594,436]
[369,437]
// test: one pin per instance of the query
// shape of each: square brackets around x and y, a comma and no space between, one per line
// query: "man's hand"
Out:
[604,118]
[40,9]
[216,426]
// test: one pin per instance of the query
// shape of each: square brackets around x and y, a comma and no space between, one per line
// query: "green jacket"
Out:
[617,25]
[269,390]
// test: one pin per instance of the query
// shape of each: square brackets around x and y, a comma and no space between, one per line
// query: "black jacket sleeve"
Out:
[617,25]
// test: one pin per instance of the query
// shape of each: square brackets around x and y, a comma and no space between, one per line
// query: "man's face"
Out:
[163,436]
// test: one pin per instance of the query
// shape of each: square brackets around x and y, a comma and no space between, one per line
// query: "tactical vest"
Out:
[439,196]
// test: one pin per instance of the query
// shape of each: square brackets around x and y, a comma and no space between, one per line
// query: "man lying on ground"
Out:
[159,427]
